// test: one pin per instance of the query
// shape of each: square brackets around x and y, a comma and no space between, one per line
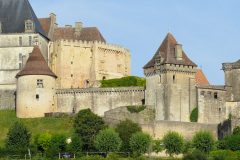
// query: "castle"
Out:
[58,69]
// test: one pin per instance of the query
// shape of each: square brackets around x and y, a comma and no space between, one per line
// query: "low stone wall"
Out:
[99,100]
[7,97]
[159,128]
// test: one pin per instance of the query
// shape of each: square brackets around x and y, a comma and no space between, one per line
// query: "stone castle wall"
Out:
[99,100]
[79,64]
[187,129]
[211,105]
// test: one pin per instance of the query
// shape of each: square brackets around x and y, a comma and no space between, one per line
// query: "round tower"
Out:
[35,87]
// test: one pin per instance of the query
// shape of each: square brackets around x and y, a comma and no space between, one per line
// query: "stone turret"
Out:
[36,83]
[232,80]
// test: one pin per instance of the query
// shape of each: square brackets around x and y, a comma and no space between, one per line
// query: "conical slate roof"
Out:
[167,52]
[14,13]
[36,65]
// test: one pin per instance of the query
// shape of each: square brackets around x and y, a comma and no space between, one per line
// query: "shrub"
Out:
[224,155]
[135,109]
[124,82]
[75,146]
[194,115]
[18,137]
[43,141]
[187,147]
[87,125]
[139,143]
[195,155]
[233,142]
[236,130]
[173,143]
[157,146]
[108,140]
[203,141]
[126,129]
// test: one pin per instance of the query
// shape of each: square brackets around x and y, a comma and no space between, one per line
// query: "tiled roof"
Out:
[14,13]
[86,34]
[45,23]
[167,53]
[36,65]
[201,78]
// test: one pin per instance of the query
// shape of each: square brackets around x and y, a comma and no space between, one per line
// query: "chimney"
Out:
[53,18]
[178,51]
[0,27]
[78,28]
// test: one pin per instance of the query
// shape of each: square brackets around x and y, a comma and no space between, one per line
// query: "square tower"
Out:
[171,83]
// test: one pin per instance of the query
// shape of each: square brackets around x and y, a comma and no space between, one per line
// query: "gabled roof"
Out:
[13,14]
[201,78]
[86,34]
[36,65]
[167,52]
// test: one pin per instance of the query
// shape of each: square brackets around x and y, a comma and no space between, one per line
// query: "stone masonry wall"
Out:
[99,100]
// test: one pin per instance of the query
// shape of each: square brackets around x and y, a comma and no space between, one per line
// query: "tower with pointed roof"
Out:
[171,83]
[20,30]
[35,87]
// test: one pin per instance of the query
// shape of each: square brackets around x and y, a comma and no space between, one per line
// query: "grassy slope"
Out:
[36,125]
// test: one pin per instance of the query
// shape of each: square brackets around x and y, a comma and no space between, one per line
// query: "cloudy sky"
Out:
[208,29]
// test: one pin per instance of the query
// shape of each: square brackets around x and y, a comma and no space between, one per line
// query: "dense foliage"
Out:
[232,142]
[203,141]
[140,143]
[173,143]
[43,141]
[75,146]
[236,130]
[87,125]
[126,129]
[107,141]
[194,115]
[135,109]
[195,155]
[124,82]
[18,137]
[158,146]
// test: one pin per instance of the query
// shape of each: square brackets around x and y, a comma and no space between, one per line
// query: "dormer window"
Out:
[29,26]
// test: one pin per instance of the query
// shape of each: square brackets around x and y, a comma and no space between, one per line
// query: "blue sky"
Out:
[209,30]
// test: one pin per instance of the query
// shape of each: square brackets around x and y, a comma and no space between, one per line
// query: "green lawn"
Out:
[35,125]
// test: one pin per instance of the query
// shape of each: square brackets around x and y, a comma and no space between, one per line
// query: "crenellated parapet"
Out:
[99,44]
[118,90]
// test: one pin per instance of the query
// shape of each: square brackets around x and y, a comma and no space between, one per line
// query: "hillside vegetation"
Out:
[124,82]
[36,126]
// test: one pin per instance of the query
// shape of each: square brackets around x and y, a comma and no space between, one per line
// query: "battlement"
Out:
[79,43]
[100,90]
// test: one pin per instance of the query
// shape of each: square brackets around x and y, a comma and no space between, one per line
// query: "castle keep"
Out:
[47,69]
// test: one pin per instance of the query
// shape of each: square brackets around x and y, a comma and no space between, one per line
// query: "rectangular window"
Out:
[20,41]
[20,57]
[20,65]
[39,83]
[119,68]
[30,40]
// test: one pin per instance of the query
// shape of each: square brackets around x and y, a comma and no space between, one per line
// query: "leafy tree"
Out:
[18,137]
[139,143]
[157,146]
[43,141]
[126,129]
[203,141]
[75,146]
[57,145]
[108,140]
[236,130]
[173,143]
[87,125]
